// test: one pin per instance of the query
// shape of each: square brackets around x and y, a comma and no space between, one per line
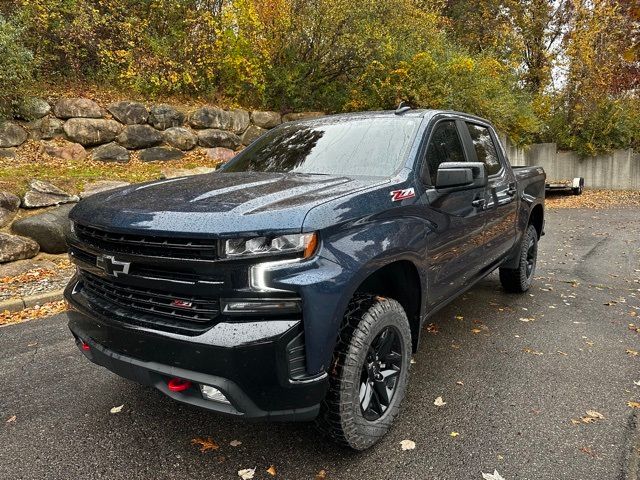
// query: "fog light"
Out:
[213,394]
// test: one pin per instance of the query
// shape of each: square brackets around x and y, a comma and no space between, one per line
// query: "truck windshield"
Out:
[355,147]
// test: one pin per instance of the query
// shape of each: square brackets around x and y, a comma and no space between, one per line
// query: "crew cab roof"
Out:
[417,113]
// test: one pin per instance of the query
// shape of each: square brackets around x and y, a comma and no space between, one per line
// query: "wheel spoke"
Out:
[392,358]
[366,392]
[385,343]
[389,374]
[380,386]
[376,404]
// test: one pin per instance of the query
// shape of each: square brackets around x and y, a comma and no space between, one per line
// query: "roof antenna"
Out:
[403,107]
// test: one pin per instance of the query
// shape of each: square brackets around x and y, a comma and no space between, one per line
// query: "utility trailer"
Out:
[575,185]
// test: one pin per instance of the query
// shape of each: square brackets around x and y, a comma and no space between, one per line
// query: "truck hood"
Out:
[225,204]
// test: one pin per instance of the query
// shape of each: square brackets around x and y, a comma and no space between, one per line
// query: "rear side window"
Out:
[444,146]
[485,148]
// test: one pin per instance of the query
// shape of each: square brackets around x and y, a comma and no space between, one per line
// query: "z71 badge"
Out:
[398,195]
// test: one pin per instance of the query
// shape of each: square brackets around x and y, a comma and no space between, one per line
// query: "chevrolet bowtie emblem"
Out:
[111,266]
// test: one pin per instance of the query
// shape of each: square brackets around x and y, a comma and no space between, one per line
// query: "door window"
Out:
[444,146]
[485,148]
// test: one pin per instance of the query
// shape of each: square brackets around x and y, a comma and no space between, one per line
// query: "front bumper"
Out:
[247,361]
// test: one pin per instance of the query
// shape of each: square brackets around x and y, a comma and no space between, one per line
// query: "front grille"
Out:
[150,306]
[201,248]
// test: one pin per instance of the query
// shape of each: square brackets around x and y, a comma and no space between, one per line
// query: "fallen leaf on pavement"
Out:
[205,444]
[235,443]
[637,383]
[438,402]
[321,474]
[454,434]
[633,404]
[492,476]
[459,383]
[407,444]
[11,419]
[476,330]
[247,473]
[594,414]
[632,353]
[588,451]
[432,328]
[531,351]
[116,409]
[271,471]
[526,320]
[459,317]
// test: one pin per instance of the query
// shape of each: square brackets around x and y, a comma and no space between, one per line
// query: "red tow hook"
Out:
[84,346]
[178,384]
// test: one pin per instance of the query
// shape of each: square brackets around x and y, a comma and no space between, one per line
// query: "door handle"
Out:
[512,190]
[479,202]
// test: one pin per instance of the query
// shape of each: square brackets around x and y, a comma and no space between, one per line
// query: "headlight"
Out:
[299,242]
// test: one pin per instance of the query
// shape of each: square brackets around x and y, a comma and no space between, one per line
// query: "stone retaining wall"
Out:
[111,132]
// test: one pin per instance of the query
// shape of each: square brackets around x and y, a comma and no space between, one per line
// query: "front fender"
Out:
[347,255]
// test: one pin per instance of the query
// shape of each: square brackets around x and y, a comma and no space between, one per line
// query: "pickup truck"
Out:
[293,282]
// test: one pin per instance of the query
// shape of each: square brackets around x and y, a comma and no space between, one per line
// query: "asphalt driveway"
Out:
[518,375]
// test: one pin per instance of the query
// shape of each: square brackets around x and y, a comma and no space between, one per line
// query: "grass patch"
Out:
[73,175]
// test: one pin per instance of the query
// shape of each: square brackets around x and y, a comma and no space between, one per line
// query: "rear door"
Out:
[455,247]
[500,208]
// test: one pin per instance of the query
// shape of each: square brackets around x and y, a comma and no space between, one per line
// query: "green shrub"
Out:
[16,66]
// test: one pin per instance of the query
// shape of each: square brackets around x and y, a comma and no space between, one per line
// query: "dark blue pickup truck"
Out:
[292,283]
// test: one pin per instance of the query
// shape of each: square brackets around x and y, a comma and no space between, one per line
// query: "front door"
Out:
[455,247]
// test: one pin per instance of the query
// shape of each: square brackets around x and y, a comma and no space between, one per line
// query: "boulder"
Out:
[12,135]
[110,152]
[32,108]
[222,154]
[184,172]
[252,133]
[67,151]
[139,136]
[91,131]
[46,128]
[129,113]
[218,138]
[210,117]
[165,116]
[7,153]
[13,248]
[180,137]
[9,204]
[238,121]
[49,229]
[160,154]
[290,117]
[266,119]
[101,186]
[44,194]
[77,107]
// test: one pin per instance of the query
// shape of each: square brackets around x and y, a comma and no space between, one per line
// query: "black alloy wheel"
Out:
[380,372]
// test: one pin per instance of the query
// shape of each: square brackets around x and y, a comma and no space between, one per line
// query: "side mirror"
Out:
[461,175]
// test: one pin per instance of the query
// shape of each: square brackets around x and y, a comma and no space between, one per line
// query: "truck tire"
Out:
[518,280]
[369,372]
